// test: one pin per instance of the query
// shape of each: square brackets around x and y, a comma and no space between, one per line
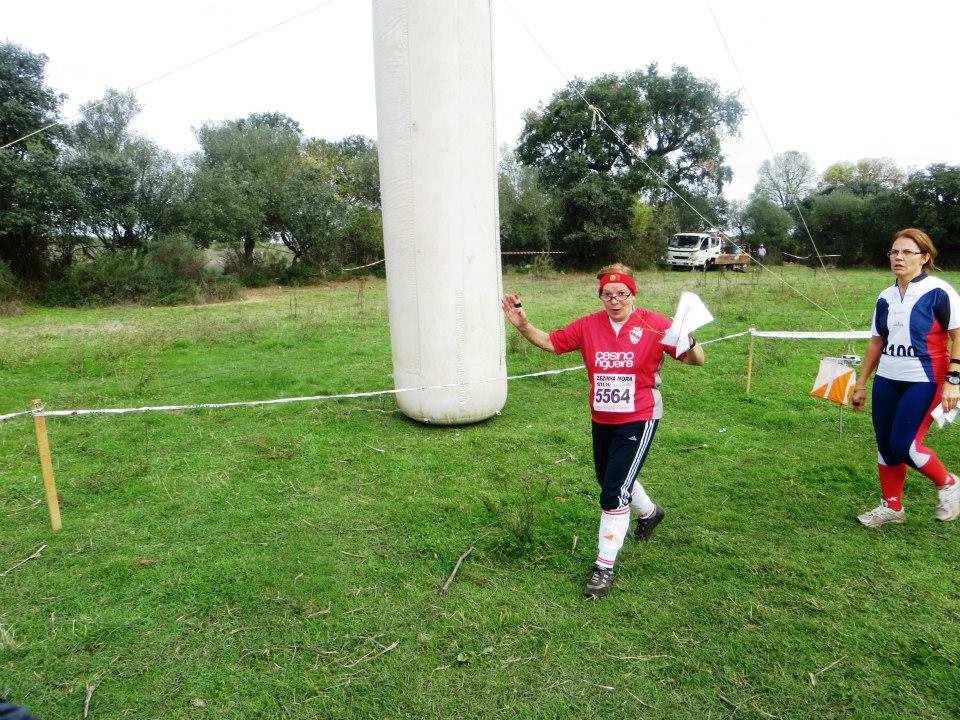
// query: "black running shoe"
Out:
[645,526]
[599,582]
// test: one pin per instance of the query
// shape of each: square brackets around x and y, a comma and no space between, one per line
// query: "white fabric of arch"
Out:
[438,180]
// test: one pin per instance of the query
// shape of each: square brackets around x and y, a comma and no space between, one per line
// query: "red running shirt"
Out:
[624,368]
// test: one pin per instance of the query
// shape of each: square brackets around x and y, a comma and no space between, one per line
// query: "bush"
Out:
[268,266]
[301,273]
[169,271]
[542,267]
[9,286]
[218,288]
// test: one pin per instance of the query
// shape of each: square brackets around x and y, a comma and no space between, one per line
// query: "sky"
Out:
[837,79]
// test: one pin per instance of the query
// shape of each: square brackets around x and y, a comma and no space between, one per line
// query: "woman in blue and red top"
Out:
[913,321]
[623,350]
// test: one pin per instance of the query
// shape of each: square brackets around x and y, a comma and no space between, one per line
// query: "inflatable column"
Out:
[438,182]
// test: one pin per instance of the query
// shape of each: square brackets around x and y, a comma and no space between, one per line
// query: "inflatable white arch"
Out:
[438,181]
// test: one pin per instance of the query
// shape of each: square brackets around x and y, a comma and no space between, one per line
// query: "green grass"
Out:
[284,561]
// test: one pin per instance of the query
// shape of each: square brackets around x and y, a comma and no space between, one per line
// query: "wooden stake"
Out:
[750,361]
[46,465]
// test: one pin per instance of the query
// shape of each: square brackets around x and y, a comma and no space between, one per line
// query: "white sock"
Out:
[613,529]
[640,501]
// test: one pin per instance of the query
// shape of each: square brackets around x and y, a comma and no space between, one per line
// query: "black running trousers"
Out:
[619,452]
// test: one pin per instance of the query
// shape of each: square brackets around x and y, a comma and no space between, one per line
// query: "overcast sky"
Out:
[838,79]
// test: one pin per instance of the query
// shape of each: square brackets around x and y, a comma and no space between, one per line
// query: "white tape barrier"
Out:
[783,334]
[804,335]
[277,401]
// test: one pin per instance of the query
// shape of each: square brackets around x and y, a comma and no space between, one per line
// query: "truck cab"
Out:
[693,250]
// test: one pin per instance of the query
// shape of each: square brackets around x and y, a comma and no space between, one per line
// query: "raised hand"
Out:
[513,309]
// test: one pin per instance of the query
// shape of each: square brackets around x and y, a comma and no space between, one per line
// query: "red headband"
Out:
[617,277]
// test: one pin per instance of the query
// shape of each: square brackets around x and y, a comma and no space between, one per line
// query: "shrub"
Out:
[542,267]
[9,286]
[301,273]
[218,288]
[169,271]
[11,308]
[268,266]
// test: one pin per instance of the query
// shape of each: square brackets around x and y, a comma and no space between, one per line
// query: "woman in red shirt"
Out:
[622,349]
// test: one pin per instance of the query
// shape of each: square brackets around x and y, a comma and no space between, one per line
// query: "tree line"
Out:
[852,209]
[91,204]
[573,185]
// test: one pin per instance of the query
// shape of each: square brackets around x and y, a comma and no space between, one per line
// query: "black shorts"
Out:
[619,452]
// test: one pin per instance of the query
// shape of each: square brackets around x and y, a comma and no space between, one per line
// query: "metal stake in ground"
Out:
[750,360]
[46,465]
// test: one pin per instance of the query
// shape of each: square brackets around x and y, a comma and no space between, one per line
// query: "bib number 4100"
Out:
[613,392]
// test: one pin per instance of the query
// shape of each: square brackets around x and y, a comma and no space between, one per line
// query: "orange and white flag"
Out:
[835,381]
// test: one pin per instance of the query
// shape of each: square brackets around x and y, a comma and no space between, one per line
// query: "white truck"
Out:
[702,251]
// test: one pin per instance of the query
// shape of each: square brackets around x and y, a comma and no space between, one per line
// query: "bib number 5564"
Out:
[614,392]
[614,396]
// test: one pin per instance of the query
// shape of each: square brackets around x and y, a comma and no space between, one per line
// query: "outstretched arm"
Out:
[516,316]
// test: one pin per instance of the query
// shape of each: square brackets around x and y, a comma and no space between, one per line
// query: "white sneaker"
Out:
[882,515]
[948,507]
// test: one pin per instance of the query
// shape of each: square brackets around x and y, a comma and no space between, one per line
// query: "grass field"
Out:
[284,562]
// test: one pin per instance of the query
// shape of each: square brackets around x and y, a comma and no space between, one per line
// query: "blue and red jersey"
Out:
[624,366]
[914,329]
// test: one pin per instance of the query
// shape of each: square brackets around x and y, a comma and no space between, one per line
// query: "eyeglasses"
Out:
[904,253]
[610,297]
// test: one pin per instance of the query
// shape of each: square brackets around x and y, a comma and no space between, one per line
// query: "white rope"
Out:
[506,252]
[277,401]
[725,337]
[79,412]
[647,165]
[180,68]
[814,335]
[11,416]
[361,267]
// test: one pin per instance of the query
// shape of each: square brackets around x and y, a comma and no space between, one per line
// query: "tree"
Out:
[241,174]
[332,212]
[595,220]
[737,217]
[526,209]
[348,172]
[652,226]
[786,179]
[353,165]
[842,223]
[130,190]
[672,123]
[34,195]
[935,194]
[766,222]
[868,176]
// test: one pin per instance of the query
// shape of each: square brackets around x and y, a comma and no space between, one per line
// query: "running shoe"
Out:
[882,515]
[645,526]
[599,582]
[948,505]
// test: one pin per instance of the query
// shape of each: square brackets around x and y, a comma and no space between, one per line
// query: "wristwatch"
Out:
[953,377]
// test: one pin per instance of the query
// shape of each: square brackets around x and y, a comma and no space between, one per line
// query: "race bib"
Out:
[613,392]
